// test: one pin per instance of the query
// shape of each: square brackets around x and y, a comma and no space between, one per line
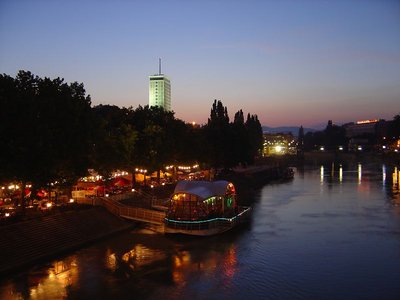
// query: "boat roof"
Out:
[202,189]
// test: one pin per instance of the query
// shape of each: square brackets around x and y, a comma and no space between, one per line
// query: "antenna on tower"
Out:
[159,66]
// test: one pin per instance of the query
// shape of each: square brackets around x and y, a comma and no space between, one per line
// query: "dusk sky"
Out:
[289,62]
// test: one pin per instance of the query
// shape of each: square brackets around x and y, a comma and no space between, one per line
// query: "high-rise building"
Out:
[160,90]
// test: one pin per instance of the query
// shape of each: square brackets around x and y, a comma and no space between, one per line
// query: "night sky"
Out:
[290,62]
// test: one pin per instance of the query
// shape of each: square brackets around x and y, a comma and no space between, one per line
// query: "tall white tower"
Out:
[160,90]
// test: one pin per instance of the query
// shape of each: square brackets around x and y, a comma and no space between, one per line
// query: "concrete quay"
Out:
[26,242]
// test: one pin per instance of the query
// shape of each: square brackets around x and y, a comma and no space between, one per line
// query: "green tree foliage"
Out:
[114,139]
[162,139]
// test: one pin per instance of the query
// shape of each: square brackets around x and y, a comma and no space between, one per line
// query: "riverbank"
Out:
[27,242]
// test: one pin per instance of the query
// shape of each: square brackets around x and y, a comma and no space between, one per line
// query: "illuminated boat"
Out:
[204,208]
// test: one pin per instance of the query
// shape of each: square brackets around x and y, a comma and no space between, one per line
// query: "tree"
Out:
[162,139]
[219,137]
[255,137]
[115,139]
[45,129]
[300,140]
[334,136]
[394,127]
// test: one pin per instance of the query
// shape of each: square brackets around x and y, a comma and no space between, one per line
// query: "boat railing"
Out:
[219,223]
[196,225]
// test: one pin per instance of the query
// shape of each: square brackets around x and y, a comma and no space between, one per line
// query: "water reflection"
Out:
[44,283]
[394,192]
[389,178]
[383,175]
[303,242]
[123,264]
[322,174]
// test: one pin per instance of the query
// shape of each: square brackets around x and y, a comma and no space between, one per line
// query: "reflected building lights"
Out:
[396,186]
[61,275]
[111,261]
[383,175]
[359,172]
[340,174]
[322,174]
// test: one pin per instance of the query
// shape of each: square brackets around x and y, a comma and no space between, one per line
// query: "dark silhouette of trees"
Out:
[334,136]
[330,138]
[394,127]
[254,137]
[50,133]
[234,143]
[300,141]
[219,136]
[240,139]
[114,139]
[44,129]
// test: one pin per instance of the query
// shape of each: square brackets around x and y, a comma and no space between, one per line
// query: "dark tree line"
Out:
[231,143]
[44,129]
[50,133]
[331,137]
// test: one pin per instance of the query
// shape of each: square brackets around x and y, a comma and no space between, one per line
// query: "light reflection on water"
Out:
[331,233]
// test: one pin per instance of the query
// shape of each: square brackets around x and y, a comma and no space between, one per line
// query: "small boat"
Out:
[204,208]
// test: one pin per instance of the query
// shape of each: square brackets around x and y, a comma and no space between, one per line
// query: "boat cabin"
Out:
[202,200]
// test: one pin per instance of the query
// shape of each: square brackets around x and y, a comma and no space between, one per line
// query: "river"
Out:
[333,232]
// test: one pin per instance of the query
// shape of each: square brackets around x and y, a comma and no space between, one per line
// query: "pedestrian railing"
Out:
[113,205]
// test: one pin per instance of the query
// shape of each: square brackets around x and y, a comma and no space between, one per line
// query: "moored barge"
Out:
[204,208]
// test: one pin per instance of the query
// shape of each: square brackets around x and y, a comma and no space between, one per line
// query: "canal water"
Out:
[333,232]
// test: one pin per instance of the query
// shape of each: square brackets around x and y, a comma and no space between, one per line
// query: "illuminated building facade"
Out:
[160,91]
[363,135]
[361,128]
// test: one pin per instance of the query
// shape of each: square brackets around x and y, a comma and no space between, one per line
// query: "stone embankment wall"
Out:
[26,242]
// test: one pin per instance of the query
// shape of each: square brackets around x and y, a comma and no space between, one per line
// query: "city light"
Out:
[366,121]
